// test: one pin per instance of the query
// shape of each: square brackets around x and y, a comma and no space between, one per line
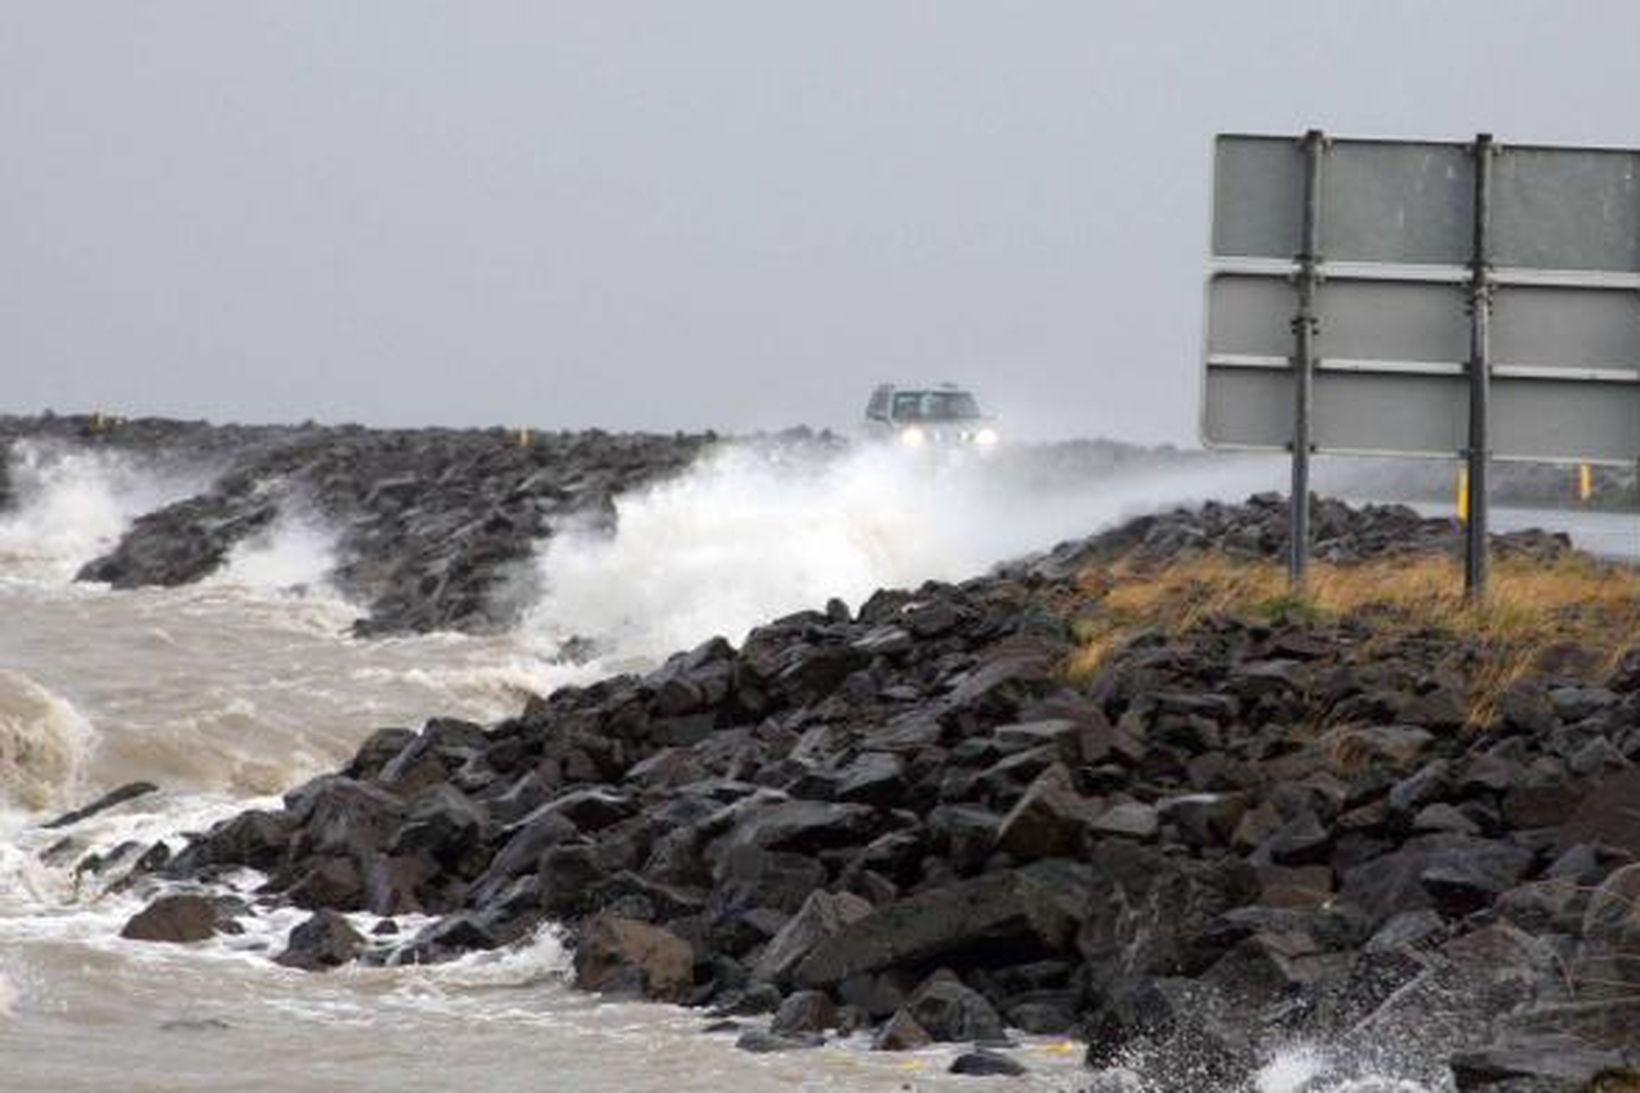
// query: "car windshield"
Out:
[934,405]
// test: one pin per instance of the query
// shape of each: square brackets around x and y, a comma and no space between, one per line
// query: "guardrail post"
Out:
[1480,375]
[1305,326]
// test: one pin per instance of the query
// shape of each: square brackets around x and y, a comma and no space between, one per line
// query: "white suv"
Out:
[919,417]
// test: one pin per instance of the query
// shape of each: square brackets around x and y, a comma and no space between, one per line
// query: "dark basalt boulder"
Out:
[129,791]
[822,915]
[181,917]
[759,1042]
[1022,911]
[950,1011]
[803,1013]
[621,955]
[984,1063]
[901,1033]
[324,941]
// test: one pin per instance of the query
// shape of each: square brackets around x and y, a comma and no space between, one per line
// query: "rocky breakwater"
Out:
[1239,829]
[433,526]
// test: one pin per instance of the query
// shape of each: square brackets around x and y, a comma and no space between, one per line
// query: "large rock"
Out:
[129,791]
[1021,911]
[324,941]
[804,1012]
[335,815]
[804,827]
[1051,820]
[822,915]
[1613,920]
[901,1033]
[984,1063]
[1149,914]
[179,917]
[618,954]
[950,1011]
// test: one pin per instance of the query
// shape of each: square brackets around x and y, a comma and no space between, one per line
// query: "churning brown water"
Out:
[224,694]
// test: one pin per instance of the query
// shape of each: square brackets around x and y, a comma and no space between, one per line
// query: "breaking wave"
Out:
[43,744]
[71,505]
[747,535]
[295,555]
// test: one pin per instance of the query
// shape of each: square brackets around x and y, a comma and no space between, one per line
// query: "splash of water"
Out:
[746,536]
[72,505]
[296,554]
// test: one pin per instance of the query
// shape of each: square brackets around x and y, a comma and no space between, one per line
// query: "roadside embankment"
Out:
[1128,789]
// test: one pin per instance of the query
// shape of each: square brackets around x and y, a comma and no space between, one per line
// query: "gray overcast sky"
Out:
[673,214]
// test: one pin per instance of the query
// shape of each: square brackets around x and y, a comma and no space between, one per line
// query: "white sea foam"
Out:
[296,554]
[72,505]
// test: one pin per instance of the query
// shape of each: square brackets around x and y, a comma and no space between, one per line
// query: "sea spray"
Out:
[750,534]
[296,554]
[71,505]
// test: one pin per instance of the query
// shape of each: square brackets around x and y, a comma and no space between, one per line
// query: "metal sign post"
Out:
[1305,328]
[1480,374]
[1478,299]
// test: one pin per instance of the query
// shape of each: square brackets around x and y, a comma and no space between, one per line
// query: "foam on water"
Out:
[1309,1068]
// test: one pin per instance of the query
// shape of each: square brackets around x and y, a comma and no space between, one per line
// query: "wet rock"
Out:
[195,1024]
[804,1012]
[1050,820]
[129,791]
[950,1011]
[254,838]
[324,941]
[1613,919]
[1130,820]
[1542,1066]
[1604,813]
[1205,819]
[901,1033]
[759,1042]
[521,848]
[875,778]
[334,883]
[180,917]
[803,827]
[822,915]
[620,954]
[1022,911]
[1150,914]
[984,1063]
[749,876]
[337,815]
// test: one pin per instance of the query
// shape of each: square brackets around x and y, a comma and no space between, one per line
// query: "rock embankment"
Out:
[908,817]
[1341,534]
[434,527]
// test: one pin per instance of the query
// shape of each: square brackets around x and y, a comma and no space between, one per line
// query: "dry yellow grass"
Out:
[1534,608]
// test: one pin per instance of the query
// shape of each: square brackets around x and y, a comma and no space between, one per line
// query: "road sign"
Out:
[1424,298]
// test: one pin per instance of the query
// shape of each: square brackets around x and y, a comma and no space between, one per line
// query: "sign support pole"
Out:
[1480,376]
[1305,326]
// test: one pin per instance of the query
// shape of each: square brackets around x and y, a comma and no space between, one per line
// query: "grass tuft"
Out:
[1537,613]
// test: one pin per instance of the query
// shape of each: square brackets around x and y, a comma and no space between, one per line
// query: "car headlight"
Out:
[986,438]
[913,437]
